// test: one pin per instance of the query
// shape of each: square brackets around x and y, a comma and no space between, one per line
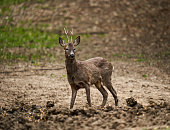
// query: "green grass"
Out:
[28,39]
[140,60]
[145,75]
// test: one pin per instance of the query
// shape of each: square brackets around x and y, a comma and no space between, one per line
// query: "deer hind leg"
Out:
[103,92]
[108,84]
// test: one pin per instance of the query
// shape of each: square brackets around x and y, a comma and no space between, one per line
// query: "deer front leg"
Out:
[87,87]
[74,93]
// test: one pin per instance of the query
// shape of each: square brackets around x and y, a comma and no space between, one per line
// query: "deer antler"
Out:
[71,35]
[66,32]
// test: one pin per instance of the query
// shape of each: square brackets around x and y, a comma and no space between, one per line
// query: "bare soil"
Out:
[38,96]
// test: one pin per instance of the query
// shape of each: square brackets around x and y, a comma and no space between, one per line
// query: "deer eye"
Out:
[66,49]
[74,49]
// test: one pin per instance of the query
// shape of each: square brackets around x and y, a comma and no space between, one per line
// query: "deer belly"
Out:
[80,85]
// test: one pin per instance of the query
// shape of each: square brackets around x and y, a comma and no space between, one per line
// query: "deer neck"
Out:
[71,66]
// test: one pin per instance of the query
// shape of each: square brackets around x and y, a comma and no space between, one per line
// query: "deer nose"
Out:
[72,54]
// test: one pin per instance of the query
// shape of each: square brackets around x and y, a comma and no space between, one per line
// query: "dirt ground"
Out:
[38,96]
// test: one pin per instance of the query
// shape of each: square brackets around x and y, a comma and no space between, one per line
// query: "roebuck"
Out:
[83,74]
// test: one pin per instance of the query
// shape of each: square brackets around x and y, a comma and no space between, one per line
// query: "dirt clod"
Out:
[131,102]
[50,104]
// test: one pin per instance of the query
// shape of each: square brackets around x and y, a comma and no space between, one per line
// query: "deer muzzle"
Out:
[72,54]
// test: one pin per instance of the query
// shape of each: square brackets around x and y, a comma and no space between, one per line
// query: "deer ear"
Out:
[62,42]
[77,41]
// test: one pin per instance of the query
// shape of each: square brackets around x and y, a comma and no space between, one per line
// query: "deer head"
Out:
[69,47]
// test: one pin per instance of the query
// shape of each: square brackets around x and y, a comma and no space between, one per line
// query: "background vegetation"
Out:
[135,31]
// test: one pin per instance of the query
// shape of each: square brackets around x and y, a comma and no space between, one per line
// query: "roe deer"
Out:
[82,74]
